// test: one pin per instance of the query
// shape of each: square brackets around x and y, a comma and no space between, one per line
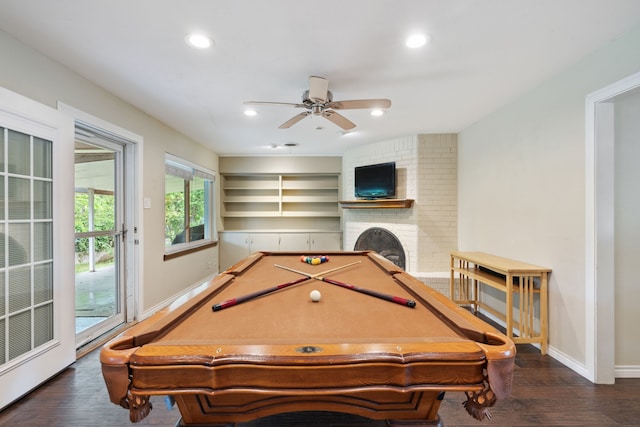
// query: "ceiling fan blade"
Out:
[355,104]
[318,89]
[292,121]
[290,104]
[338,119]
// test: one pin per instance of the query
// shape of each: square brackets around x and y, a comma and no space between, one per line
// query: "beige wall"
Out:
[521,177]
[33,75]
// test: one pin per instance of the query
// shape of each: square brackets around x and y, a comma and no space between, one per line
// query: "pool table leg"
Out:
[415,423]
[433,415]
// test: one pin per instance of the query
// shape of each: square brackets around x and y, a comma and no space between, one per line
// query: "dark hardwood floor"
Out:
[545,393]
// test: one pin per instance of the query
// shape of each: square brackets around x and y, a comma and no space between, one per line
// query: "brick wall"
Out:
[426,167]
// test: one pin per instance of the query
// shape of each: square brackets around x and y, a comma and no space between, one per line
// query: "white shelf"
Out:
[271,195]
[251,199]
[311,199]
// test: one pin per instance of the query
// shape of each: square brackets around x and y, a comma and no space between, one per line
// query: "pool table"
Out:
[251,343]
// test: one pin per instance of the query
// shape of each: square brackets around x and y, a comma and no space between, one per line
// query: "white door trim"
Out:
[133,202]
[599,238]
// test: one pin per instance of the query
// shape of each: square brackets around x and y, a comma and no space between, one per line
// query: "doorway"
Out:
[106,222]
[602,271]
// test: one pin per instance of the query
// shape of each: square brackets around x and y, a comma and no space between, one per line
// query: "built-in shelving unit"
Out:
[376,204]
[278,204]
[274,196]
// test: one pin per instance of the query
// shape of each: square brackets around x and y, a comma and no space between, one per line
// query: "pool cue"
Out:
[239,300]
[313,276]
[386,297]
[391,298]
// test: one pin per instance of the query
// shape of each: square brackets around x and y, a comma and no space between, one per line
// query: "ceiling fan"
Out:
[318,100]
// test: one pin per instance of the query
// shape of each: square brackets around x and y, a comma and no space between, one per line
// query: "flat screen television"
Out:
[375,181]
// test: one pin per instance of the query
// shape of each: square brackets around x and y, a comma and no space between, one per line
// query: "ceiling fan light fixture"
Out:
[417,40]
[199,41]
[377,113]
[318,102]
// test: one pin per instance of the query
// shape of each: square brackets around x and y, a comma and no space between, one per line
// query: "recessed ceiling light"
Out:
[199,41]
[347,133]
[250,113]
[417,40]
[377,113]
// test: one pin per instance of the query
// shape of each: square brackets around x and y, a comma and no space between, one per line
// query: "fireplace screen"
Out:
[383,242]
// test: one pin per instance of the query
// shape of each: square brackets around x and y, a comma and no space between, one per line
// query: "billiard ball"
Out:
[315,295]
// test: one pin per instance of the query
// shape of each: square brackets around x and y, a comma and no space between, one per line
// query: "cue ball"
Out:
[315,295]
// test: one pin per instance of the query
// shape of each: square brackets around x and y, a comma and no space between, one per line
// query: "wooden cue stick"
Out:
[313,276]
[239,300]
[386,297]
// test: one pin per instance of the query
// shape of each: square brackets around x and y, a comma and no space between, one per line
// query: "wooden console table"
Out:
[517,278]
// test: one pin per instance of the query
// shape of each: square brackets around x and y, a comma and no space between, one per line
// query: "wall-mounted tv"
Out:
[375,181]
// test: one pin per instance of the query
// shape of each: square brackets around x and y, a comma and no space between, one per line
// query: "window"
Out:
[188,206]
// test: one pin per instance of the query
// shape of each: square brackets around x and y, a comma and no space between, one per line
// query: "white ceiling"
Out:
[483,53]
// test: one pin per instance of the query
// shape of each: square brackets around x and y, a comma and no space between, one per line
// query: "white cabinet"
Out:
[310,241]
[237,246]
[234,246]
[325,241]
[294,242]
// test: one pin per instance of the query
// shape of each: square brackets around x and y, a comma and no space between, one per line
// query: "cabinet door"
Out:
[233,248]
[325,241]
[296,242]
[264,242]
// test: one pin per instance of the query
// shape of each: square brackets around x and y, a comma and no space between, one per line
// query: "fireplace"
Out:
[426,172]
[383,242]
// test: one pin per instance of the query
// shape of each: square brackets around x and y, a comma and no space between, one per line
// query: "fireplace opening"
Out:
[383,242]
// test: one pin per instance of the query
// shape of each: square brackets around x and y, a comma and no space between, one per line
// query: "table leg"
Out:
[452,280]
[543,313]
[509,306]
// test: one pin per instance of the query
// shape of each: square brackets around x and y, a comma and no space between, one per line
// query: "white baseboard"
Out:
[627,371]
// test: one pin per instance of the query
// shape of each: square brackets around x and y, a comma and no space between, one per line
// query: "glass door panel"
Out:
[26,244]
[99,287]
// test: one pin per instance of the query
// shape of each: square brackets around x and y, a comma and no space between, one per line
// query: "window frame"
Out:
[174,162]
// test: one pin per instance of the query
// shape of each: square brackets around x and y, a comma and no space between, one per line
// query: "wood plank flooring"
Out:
[545,393]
